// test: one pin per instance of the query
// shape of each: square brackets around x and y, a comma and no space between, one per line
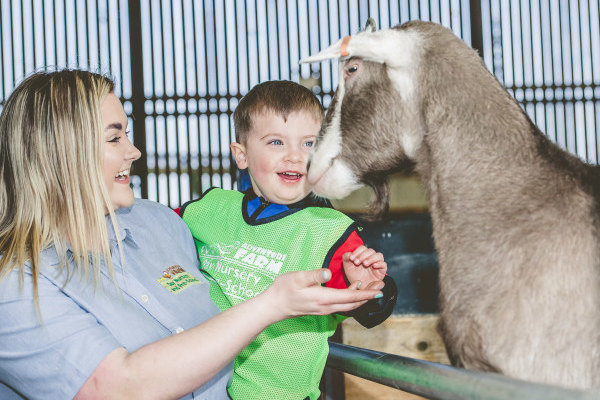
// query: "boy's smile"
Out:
[276,153]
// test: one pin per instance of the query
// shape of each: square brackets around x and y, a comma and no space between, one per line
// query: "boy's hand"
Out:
[364,265]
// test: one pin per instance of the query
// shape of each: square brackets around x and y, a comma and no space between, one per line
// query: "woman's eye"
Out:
[115,139]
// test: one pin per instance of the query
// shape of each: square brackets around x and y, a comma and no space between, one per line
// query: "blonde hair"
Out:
[280,97]
[52,190]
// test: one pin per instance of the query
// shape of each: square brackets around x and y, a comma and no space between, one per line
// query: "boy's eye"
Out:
[276,142]
[309,143]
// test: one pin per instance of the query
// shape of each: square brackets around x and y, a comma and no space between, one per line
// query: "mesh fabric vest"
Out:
[287,359]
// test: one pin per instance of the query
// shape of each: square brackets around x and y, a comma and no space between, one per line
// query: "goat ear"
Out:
[382,46]
[371,26]
[366,45]
[333,51]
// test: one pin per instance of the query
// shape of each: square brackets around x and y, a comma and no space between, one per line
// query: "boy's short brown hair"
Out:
[280,97]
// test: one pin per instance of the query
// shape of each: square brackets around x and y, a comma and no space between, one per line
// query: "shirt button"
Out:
[179,329]
[145,298]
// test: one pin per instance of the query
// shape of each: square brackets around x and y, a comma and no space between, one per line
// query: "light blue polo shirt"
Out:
[160,293]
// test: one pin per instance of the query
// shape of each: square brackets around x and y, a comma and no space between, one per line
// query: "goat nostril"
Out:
[307,165]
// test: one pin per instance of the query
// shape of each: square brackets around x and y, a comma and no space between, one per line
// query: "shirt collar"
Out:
[49,255]
[253,201]
[125,227]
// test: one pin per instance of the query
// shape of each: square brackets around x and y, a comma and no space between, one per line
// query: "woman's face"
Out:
[119,152]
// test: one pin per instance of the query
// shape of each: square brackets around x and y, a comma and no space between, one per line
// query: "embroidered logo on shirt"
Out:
[176,279]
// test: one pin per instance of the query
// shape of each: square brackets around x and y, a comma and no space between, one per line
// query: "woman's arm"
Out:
[204,350]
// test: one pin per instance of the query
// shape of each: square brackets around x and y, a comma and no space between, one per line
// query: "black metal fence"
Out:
[182,65]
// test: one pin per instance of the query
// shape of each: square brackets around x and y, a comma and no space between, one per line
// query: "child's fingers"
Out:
[352,256]
[372,258]
[361,254]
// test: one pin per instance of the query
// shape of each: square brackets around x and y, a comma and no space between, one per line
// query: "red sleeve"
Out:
[335,265]
[178,211]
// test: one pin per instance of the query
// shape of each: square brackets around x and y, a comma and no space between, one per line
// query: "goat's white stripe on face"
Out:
[404,59]
[330,145]
[337,182]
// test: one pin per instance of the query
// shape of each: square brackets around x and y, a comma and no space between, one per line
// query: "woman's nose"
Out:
[133,153]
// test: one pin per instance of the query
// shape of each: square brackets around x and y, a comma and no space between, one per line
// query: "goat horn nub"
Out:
[336,50]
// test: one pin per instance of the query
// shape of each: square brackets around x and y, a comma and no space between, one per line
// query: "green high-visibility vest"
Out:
[287,359]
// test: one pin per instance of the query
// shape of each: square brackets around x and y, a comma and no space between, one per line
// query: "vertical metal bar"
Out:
[228,93]
[533,63]
[3,82]
[23,39]
[562,71]
[247,43]
[66,32]
[176,112]
[476,26]
[299,41]
[522,64]
[98,35]
[554,87]
[232,164]
[501,42]
[154,101]
[164,99]
[217,112]
[33,36]
[187,95]
[572,85]
[43,38]
[12,44]
[221,113]
[581,86]
[512,50]
[198,99]
[87,35]
[137,92]
[450,14]
[76,27]
[110,39]
[120,48]
[593,99]
[210,166]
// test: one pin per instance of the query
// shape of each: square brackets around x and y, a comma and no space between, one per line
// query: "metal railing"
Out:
[440,381]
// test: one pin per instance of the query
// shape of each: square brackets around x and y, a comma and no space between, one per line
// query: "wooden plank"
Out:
[412,336]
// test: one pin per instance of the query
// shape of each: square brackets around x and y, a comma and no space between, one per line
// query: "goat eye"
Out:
[353,69]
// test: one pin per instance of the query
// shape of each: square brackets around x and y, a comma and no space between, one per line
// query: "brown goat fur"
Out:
[515,218]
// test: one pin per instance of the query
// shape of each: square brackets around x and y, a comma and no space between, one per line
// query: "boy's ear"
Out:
[239,153]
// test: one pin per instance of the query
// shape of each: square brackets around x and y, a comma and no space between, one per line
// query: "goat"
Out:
[515,218]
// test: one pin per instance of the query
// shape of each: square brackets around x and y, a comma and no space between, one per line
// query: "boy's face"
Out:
[276,153]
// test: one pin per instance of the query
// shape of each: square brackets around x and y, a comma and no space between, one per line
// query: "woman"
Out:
[100,294]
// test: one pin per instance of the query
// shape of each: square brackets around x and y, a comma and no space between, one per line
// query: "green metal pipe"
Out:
[440,381]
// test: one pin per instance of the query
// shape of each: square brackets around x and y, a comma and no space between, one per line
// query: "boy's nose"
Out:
[295,156]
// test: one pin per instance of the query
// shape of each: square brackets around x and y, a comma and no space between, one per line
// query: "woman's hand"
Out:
[300,293]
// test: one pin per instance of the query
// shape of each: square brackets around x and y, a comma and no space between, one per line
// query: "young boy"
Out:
[246,239]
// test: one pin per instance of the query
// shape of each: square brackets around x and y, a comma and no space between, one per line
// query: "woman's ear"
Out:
[239,153]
